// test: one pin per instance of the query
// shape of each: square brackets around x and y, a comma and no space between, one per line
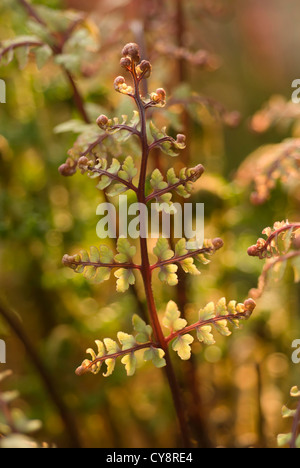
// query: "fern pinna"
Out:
[117,177]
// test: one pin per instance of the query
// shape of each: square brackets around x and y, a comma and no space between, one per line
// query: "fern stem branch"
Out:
[183,257]
[93,145]
[113,177]
[203,323]
[157,143]
[20,44]
[129,129]
[130,266]
[147,274]
[171,187]
[83,370]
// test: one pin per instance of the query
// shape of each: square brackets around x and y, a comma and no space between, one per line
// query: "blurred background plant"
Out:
[292,438]
[15,428]
[219,62]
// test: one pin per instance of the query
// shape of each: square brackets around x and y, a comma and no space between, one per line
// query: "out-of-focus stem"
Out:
[78,100]
[147,277]
[196,410]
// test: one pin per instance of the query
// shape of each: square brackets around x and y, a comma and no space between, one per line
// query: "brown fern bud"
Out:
[253,251]
[196,172]
[83,163]
[102,120]
[68,260]
[217,243]
[119,81]
[80,371]
[161,93]
[159,97]
[126,62]
[132,50]
[67,169]
[83,369]
[121,86]
[181,139]
[250,305]
[145,68]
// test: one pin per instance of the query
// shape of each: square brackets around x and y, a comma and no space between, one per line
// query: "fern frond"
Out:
[109,350]
[98,264]
[168,260]
[217,316]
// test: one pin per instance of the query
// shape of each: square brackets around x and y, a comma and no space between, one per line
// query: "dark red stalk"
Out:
[147,273]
